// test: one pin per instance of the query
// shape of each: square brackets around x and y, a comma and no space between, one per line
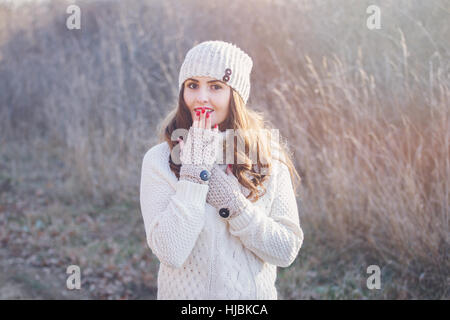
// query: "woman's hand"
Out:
[203,119]
[199,152]
[226,193]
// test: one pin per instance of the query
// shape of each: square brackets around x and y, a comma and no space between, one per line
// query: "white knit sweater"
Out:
[203,256]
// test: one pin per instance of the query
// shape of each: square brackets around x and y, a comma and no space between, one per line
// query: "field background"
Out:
[366,113]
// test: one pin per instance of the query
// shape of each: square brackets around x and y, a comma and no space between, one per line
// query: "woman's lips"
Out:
[208,110]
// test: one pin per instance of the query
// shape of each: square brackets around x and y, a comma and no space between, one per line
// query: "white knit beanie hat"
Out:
[219,60]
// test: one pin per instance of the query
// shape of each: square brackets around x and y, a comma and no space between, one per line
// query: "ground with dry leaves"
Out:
[40,238]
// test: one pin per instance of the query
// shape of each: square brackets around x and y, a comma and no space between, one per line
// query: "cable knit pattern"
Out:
[204,256]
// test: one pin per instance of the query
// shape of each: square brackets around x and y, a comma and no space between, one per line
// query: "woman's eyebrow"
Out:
[208,81]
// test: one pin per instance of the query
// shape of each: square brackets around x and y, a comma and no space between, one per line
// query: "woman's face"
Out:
[210,93]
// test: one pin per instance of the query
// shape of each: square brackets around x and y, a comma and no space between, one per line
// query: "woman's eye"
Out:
[193,85]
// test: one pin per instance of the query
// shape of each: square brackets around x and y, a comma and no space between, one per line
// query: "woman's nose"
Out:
[202,96]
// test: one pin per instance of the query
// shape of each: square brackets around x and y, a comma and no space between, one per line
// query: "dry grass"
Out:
[366,113]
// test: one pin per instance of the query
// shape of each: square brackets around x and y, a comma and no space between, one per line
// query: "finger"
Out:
[196,122]
[202,118]
[208,120]
[229,170]
[213,120]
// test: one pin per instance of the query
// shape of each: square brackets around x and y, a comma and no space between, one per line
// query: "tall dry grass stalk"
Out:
[366,112]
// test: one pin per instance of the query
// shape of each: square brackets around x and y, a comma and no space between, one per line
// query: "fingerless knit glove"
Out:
[199,154]
[225,194]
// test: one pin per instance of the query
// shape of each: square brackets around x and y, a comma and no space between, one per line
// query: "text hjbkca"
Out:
[234,310]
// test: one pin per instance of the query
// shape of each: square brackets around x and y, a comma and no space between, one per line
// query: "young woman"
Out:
[219,227]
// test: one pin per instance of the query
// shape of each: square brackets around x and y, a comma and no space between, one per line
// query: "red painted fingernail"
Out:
[215,126]
[203,110]
[207,115]
[198,113]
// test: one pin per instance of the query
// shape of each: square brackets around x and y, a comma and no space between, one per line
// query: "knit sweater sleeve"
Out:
[275,237]
[173,211]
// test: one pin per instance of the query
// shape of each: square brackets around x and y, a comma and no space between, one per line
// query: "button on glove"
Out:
[199,154]
[226,193]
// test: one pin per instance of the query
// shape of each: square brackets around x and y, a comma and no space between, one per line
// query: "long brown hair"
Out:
[243,120]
